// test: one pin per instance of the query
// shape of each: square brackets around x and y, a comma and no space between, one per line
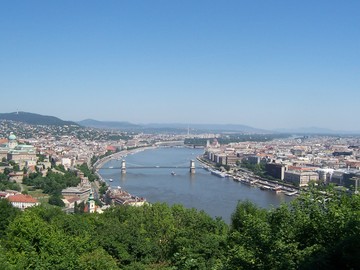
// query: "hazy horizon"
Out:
[268,65]
[218,126]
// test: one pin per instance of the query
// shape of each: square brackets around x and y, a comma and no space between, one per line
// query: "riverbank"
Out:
[250,179]
[119,155]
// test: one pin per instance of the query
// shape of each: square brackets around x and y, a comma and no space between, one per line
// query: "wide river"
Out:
[203,191]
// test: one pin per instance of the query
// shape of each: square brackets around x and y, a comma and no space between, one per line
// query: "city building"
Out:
[254,160]
[7,144]
[325,175]
[300,178]
[275,170]
[16,176]
[121,197]
[81,193]
[231,160]
[349,178]
[22,201]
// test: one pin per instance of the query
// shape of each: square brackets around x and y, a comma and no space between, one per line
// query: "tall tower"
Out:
[123,166]
[91,203]
[192,166]
[207,143]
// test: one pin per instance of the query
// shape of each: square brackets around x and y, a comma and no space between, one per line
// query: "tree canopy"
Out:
[315,231]
[53,183]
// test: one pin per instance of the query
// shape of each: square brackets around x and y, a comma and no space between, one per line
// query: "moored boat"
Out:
[218,173]
[277,189]
[291,193]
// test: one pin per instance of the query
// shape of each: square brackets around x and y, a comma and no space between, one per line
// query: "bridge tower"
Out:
[192,166]
[123,167]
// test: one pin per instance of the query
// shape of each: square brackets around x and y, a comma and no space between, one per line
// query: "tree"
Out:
[5,184]
[87,172]
[249,239]
[79,208]
[97,259]
[7,171]
[103,188]
[33,242]
[41,157]
[16,167]
[7,215]
[56,200]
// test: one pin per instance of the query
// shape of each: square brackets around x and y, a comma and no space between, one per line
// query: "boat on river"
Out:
[248,182]
[276,189]
[292,193]
[218,173]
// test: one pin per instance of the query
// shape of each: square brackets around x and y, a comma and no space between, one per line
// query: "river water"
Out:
[203,191]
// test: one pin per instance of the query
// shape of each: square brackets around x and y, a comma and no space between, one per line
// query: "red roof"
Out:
[297,168]
[22,198]
[111,148]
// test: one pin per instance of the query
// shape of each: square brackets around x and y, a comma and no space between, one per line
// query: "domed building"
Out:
[12,141]
[5,145]
[20,153]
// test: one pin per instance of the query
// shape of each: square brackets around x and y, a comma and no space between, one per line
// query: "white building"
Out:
[22,201]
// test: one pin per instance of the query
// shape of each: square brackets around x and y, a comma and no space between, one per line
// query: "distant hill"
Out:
[317,130]
[108,124]
[170,127]
[35,119]
[210,127]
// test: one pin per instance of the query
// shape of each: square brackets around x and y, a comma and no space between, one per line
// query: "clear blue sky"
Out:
[267,64]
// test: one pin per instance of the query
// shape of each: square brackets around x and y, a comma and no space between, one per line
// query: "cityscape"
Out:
[295,161]
[63,166]
[179,135]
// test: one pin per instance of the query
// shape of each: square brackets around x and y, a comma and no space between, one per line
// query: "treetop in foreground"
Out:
[316,231]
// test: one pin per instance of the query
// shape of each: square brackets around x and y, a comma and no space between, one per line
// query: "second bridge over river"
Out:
[124,167]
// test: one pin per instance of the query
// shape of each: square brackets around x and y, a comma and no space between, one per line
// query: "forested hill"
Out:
[35,119]
[108,124]
[314,232]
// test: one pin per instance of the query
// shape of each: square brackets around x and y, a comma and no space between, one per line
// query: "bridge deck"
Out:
[147,167]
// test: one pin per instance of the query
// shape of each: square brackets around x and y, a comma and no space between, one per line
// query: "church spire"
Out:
[91,203]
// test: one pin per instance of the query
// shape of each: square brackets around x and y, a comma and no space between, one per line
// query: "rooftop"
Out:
[22,198]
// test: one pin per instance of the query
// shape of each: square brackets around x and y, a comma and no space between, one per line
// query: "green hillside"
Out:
[35,119]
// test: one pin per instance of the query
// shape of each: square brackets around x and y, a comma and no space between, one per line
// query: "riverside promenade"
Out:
[119,155]
[247,177]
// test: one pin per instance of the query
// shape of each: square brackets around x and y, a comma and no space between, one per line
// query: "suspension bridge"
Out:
[125,166]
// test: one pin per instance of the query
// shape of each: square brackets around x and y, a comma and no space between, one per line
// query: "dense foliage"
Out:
[56,200]
[87,172]
[53,182]
[258,169]
[314,232]
[6,184]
